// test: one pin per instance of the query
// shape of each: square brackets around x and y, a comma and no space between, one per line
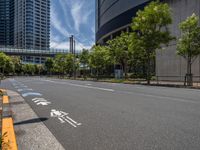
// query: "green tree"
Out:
[64,63]
[99,59]
[29,69]
[84,60]
[137,56]
[151,27]
[6,65]
[17,64]
[39,69]
[119,50]
[189,44]
[70,64]
[49,65]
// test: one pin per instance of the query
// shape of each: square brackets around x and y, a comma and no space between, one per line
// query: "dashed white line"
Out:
[83,86]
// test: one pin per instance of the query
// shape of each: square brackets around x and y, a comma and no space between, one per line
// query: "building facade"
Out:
[32,24]
[7,23]
[170,66]
[115,16]
[25,24]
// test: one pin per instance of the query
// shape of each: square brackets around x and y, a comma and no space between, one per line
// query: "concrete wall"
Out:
[168,63]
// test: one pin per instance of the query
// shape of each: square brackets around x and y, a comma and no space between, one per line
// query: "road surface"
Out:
[86,115]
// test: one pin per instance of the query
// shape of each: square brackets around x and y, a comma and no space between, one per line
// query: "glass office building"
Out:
[25,24]
[6,23]
[32,24]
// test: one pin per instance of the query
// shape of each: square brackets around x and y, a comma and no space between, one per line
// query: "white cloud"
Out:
[57,24]
[76,11]
[75,14]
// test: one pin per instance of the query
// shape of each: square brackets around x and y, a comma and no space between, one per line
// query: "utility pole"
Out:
[72,49]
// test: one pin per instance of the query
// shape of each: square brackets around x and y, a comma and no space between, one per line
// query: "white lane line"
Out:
[91,87]
[162,97]
[89,84]
[83,86]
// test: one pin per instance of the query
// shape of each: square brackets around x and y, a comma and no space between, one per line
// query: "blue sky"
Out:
[75,17]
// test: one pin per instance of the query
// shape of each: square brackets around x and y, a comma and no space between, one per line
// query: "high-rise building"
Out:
[6,23]
[25,24]
[32,24]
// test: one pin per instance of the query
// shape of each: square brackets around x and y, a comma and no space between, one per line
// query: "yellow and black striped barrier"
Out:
[8,133]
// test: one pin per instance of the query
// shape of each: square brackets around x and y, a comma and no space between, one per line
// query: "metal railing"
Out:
[176,80]
[32,51]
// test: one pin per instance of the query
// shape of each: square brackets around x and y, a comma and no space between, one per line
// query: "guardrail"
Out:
[8,133]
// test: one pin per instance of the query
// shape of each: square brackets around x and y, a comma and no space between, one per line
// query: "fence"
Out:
[176,80]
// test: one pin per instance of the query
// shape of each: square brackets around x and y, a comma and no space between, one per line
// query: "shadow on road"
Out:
[35,120]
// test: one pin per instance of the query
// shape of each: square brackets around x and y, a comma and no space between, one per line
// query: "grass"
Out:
[4,145]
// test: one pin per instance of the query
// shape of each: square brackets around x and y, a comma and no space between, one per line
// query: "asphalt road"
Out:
[85,115]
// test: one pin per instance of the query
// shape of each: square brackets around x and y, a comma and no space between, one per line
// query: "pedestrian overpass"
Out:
[32,55]
[32,52]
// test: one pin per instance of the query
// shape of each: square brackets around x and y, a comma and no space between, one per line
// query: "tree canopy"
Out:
[189,43]
[150,27]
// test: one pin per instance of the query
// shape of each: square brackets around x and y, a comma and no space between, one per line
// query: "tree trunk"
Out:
[125,71]
[84,72]
[148,69]
[189,72]
[97,74]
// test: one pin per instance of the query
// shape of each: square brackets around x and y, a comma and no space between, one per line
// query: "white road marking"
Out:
[24,86]
[31,94]
[83,86]
[92,87]
[41,101]
[21,90]
[63,117]
[162,97]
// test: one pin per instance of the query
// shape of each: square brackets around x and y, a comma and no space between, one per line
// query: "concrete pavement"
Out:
[89,115]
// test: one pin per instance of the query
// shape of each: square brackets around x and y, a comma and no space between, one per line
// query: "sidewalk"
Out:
[31,133]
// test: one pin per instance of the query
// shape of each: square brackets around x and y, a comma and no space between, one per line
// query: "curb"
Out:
[8,132]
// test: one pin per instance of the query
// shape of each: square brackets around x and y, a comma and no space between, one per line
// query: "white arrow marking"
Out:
[44,103]
[39,99]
